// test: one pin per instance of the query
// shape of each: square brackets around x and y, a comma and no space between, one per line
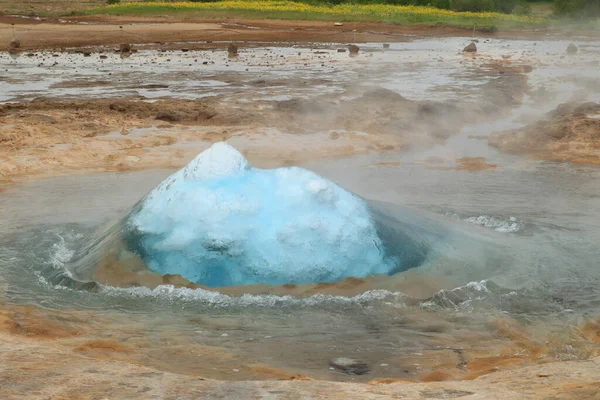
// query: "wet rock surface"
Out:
[350,366]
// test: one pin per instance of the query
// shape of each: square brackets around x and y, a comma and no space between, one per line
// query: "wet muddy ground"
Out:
[68,111]
[406,123]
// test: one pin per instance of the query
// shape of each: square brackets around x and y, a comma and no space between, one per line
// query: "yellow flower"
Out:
[385,11]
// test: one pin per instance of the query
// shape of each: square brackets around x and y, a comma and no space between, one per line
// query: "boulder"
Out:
[471,48]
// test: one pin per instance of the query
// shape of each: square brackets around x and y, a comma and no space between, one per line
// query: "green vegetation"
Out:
[504,6]
[295,10]
[578,8]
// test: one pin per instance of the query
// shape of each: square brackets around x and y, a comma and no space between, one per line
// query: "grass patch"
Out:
[290,10]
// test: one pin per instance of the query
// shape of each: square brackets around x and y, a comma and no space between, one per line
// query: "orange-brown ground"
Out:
[57,355]
[48,137]
[569,133]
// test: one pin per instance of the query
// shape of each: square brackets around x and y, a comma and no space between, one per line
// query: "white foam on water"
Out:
[461,297]
[510,225]
[499,224]
[216,299]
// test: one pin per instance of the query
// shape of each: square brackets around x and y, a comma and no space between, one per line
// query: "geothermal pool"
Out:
[514,255]
[508,268]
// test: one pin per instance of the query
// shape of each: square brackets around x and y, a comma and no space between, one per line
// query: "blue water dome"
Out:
[221,222]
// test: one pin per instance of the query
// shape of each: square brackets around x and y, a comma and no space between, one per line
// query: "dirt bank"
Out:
[95,31]
[46,33]
[569,133]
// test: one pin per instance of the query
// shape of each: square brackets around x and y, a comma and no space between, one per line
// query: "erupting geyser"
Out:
[221,222]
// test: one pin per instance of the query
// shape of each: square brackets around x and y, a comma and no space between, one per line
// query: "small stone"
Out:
[341,50]
[386,45]
[15,43]
[87,53]
[124,47]
[349,366]
[353,49]
[471,48]
[338,24]
[527,68]
[232,50]
[572,49]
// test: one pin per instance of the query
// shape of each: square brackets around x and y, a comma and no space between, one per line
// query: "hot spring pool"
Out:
[508,258]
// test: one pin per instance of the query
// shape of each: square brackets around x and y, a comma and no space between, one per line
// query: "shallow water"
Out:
[417,69]
[527,260]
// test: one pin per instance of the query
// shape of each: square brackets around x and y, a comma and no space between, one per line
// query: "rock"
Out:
[103,57]
[232,50]
[87,53]
[349,366]
[15,43]
[386,45]
[185,50]
[572,49]
[353,49]
[527,68]
[471,48]
[338,24]
[341,50]
[124,47]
